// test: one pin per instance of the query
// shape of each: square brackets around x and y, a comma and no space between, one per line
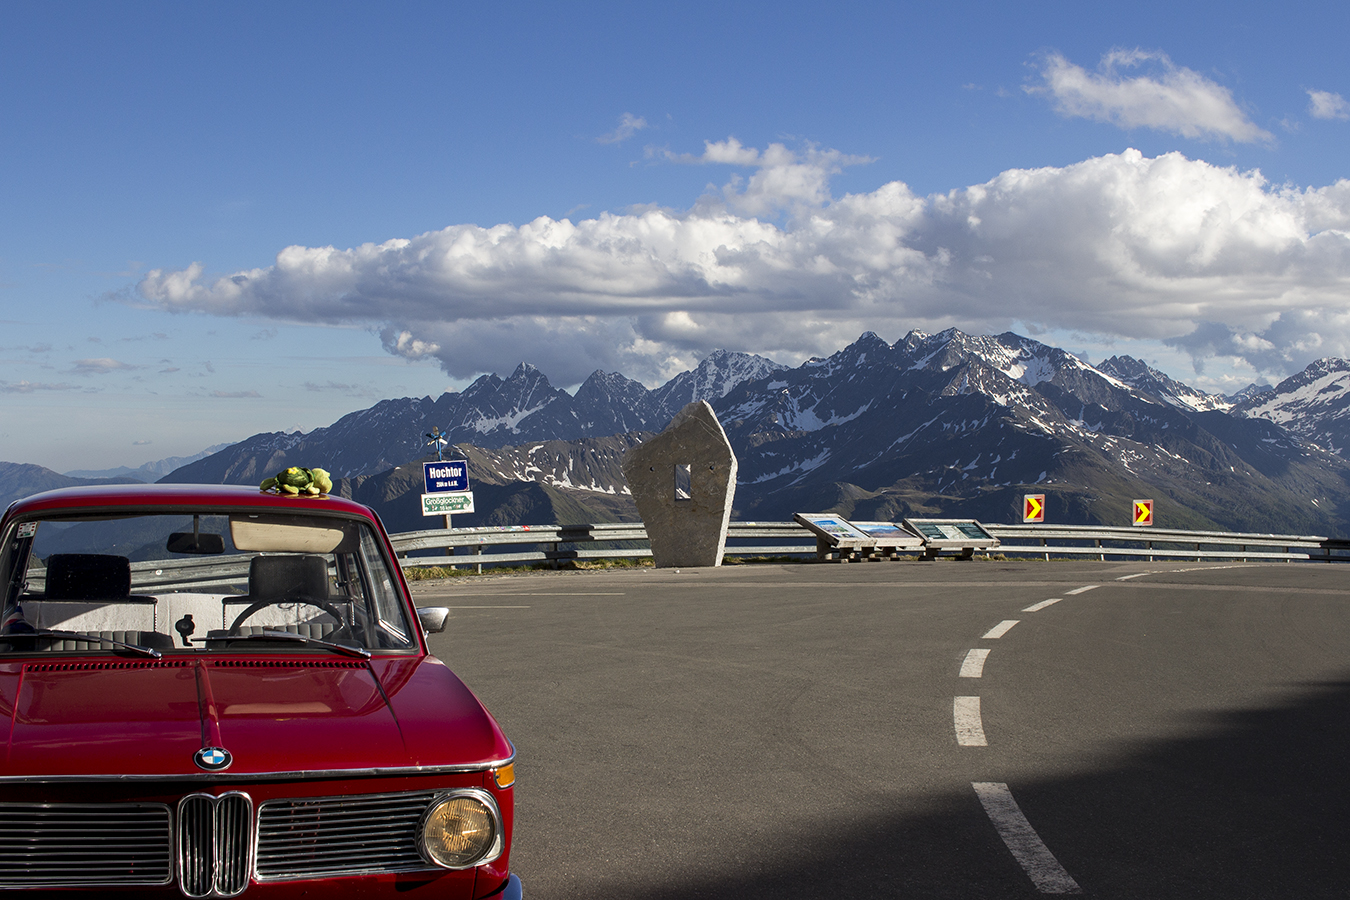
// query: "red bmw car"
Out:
[214,691]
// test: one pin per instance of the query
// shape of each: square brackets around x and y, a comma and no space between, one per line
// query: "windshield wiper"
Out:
[81,636]
[294,638]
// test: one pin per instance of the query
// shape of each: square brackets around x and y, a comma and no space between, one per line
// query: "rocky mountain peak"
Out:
[1152,383]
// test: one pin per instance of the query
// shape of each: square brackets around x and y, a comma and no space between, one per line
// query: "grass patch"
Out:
[431,573]
[761,560]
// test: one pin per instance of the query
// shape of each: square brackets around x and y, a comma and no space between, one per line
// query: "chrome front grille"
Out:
[319,836]
[214,843]
[72,845]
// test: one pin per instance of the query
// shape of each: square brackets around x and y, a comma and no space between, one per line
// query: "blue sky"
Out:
[627,187]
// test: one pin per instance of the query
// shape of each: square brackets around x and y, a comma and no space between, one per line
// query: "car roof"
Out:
[149,496]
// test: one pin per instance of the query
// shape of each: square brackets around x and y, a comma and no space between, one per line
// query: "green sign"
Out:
[446,504]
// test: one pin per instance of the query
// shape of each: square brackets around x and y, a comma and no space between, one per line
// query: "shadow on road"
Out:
[1254,807]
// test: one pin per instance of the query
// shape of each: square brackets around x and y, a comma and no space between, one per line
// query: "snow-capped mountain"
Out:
[717,375]
[965,424]
[490,413]
[1314,404]
[1152,383]
[949,423]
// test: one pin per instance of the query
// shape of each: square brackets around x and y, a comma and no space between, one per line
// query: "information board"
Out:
[833,528]
[953,532]
[890,534]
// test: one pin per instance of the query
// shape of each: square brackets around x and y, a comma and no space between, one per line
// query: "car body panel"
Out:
[299,723]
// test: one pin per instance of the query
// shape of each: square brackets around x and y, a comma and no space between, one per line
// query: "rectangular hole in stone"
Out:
[682,481]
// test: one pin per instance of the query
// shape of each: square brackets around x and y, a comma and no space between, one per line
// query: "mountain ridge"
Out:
[932,424]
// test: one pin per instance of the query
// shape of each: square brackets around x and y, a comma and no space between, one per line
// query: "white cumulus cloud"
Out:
[1211,258]
[783,179]
[1326,105]
[1164,97]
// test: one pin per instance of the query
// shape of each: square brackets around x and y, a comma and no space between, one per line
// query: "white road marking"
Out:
[1084,589]
[969,728]
[1037,607]
[973,665]
[1026,845]
[999,630]
[1192,569]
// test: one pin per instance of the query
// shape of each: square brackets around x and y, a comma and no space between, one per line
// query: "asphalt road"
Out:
[1178,730]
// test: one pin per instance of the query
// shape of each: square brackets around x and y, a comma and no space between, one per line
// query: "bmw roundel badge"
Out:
[213,759]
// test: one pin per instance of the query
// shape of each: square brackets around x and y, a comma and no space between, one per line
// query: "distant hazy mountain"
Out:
[149,472]
[19,480]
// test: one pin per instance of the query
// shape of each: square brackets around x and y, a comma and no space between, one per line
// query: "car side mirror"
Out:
[432,618]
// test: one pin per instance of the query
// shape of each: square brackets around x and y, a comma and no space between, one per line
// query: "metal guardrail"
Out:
[1102,542]
[555,544]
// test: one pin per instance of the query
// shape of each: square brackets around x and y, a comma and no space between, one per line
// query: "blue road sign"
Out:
[451,476]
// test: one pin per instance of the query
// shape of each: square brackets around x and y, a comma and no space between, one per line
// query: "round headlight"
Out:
[461,830]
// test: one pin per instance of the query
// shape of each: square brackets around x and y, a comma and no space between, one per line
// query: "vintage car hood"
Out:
[276,715]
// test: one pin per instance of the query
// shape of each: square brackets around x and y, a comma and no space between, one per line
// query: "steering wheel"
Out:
[263,604]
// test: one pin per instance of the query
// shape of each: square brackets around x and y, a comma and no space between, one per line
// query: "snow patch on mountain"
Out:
[1149,381]
[1314,404]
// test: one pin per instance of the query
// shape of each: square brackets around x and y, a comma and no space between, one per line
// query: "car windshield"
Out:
[199,581]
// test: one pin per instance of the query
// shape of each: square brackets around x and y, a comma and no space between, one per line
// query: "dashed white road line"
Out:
[1084,589]
[973,665]
[1037,607]
[1026,845]
[1000,629]
[969,728]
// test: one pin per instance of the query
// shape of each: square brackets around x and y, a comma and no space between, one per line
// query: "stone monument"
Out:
[683,481]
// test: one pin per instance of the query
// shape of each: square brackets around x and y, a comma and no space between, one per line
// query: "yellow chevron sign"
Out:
[1143,512]
[1033,508]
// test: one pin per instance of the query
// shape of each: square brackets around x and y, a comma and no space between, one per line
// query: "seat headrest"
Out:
[87,576]
[288,578]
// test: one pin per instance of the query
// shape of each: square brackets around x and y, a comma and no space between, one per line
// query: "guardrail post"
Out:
[1149,546]
[1046,543]
[478,552]
[553,563]
[1101,557]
